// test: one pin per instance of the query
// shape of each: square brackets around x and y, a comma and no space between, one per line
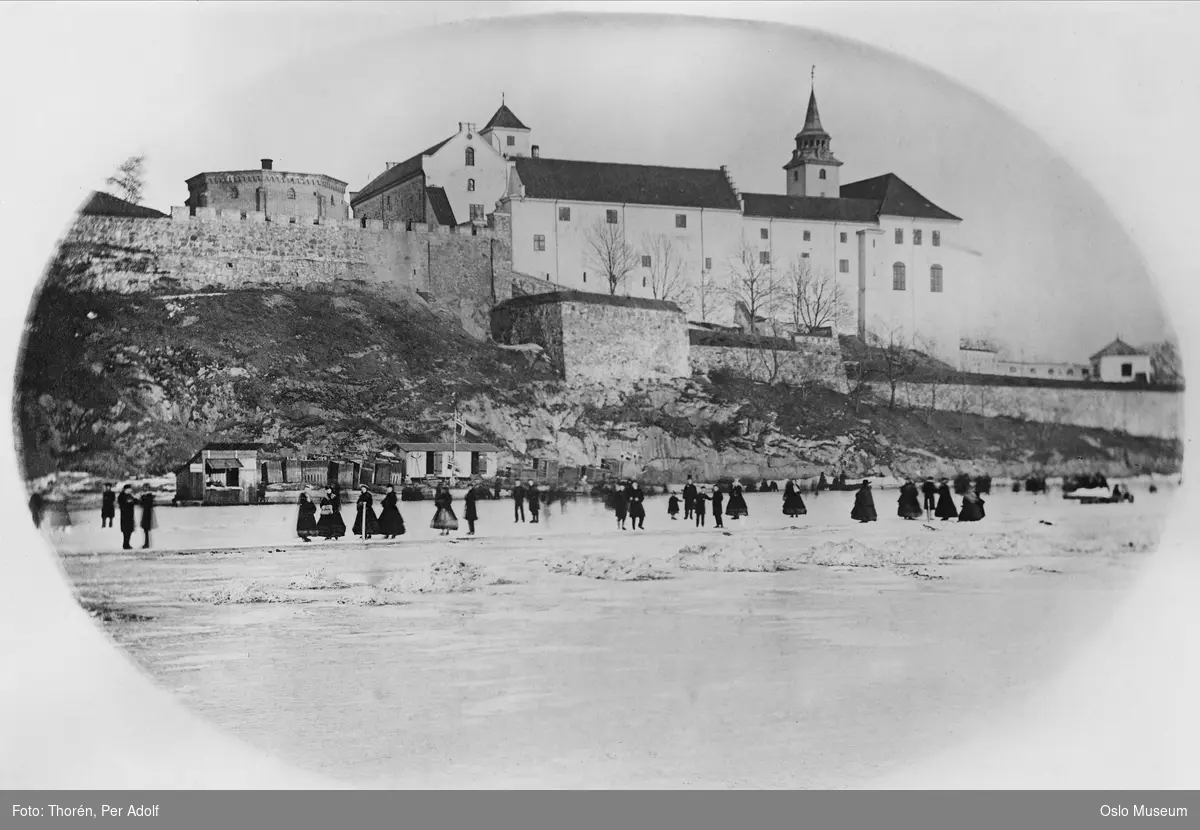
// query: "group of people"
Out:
[911,505]
[111,503]
[389,523]
[696,499]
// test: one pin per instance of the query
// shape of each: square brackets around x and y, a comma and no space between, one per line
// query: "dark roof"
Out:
[504,120]
[586,297]
[1117,348]
[895,197]
[404,170]
[812,119]
[638,184]
[105,204]
[232,445]
[771,206]
[440,202]
[462,446]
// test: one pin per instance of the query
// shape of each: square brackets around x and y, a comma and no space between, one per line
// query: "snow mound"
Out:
[445,576]
[743,554]
[318,580]
[602,567]
[371,597]
[1036,569]
[853,554]
[240,592]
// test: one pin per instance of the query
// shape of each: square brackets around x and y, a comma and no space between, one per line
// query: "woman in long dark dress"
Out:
[637,510]
[864,504]
[444,518]
[945,504]
[149,520]
[470,513]
[365,510]
[909,502]
[391,523]
[330,525]
[793,505]
[972,507]
[737,502]
[306,521]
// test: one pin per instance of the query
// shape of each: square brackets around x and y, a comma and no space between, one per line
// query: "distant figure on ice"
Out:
[125,504]
[1016,486]
[518,497]
[928,491]
[864,504]
[700,506]
[909,506]
[306,520]
[945,505]
[37,507]
[841,480]
[108,506]
[983,484]
[962,483]
[718,502]
[330,525]
[972,507]
[444,518]
[793,505]
[620,502]
[149,520]
[1153,488]
[637,510]
[822,483]
[689,498]
[469,512]
[365,522]
[535,504]
[737,502]
[391,523]
[673,506]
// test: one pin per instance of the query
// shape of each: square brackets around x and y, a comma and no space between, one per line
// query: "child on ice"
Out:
[673,506]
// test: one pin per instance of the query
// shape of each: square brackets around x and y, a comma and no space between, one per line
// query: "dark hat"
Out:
[866,482]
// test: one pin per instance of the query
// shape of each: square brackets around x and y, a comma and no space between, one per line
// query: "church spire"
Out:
[812,170]
[812,119]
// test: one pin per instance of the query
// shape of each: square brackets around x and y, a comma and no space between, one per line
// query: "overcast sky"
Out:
[1059,277]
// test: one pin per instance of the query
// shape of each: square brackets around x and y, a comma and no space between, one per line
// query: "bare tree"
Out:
[706,290]
[753,287]
[814,299]
[129,179]
[609,253]
[897,359]
[667,278]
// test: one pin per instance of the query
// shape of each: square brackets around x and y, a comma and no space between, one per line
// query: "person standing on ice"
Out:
[125,504]
[330,525]
[306,520]
[470,513]
[928,491]
[972,506]
[864,504]
[945,505]
[637,510]
[673,507]
[909,507]
[108,506]
[620,503]
[535,503]
[391,523]
[689,498]
[718,503]
[444,518]
[737,502]
[793,504]
[518,497]
[149,520]
[365,522]
[699,506]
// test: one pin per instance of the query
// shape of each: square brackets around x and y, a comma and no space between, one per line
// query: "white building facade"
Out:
[1118,362]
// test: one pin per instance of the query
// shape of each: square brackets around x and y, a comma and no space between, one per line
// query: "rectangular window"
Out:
[843,238]
[611,217]
[937,239]
[708,263]
[822,194]
[512,141]
[1126,370]
[899,236]
[564,214]
[935,279]
[585,276]
[764,257]
[916,237]
[645,261]
[808,236]
[844,266]
[539,242]
[476,212]
[763,233]
[681,220]
[795,175]
[804,255]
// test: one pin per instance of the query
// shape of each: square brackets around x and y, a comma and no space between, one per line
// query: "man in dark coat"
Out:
[518,497]
[698,507]
[108,506]
[929,491]
[125,504]
[535,504]
[689,498]
[148,520]
[718,503]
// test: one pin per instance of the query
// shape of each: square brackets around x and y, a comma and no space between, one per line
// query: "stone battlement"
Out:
[207,214]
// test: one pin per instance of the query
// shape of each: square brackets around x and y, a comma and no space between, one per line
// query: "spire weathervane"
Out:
[812,78]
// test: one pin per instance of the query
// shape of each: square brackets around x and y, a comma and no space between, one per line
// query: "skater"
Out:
[909,507]
[365,522]
[518,497]
[929,490]
[699,506]
[37,507]
[125,505]
[149,521]
[864,504]
[945,509]
[535,505]
[793,504]
[444,518]
[737,502]
[470,513]
[637,510]
[391,523]
[822,482]
[983,484]
[689,498]
[718,502]
[972,506]
[962,481]
[330,525]
[306,521]
[620,501]
[108,506]
[673,506]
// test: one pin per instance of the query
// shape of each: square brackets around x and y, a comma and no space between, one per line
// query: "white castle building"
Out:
[653,230]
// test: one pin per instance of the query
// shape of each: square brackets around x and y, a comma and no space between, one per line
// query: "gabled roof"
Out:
[817,208]
[1117,348]
[895,197]
[594,181]
[106,204]
[440,203]
[504,119]
[404,170]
